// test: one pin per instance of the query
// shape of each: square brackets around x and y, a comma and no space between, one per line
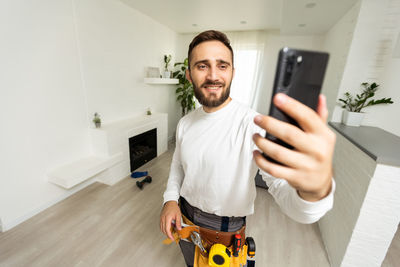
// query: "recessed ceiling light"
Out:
[302,25]
[310,5]
[194,25]
[243,22]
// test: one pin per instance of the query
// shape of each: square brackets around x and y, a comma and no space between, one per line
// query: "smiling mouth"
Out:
[212,88]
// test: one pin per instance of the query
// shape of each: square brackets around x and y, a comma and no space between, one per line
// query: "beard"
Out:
[212,100]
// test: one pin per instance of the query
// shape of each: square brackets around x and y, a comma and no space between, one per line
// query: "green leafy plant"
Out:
[167,60]
[356,104]
[184,92]
[96,118]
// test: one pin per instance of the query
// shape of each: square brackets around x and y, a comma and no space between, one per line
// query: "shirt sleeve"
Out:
[176,173]
[293,205]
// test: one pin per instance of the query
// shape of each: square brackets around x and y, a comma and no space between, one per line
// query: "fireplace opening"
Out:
[142,148]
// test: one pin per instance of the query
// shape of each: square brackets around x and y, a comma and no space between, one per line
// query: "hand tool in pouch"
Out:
[196,239]
[237,245]
[251,252]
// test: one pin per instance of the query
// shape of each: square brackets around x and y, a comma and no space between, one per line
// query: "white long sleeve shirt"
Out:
[214,170]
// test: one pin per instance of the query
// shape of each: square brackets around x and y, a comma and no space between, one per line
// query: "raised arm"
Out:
[305,188]
[293,205]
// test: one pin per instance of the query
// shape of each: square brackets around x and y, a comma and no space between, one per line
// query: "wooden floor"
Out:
[119,226]
[392,258]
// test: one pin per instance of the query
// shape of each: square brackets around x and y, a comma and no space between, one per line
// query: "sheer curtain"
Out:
[248,48]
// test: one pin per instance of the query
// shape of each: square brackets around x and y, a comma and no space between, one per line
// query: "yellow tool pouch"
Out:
[203,261]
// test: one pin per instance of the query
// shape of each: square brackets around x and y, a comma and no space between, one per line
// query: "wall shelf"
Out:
[80,170]
[160,81]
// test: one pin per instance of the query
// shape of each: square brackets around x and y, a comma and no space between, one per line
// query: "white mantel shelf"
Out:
[80,170]
[160,81]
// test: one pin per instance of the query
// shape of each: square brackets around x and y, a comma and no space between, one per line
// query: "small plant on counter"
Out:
[96,120]
[360,101]
[167,60]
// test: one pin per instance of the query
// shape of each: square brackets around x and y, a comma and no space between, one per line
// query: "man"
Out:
[218,150]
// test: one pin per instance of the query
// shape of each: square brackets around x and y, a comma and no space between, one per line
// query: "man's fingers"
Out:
[162,224]
[322,109]
[178,222]
[168,228]
[164,230]
[285,132]
[290,158]
[307,118]
[276,170]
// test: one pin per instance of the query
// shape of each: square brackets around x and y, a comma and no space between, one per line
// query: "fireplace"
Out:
[142,148]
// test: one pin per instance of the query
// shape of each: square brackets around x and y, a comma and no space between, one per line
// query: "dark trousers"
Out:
[206,220]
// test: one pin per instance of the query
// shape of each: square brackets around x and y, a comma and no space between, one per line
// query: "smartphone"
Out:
[299,74]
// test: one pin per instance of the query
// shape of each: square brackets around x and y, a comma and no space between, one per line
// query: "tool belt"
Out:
[209,238]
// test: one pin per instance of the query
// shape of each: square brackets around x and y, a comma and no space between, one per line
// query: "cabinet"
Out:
[365,215]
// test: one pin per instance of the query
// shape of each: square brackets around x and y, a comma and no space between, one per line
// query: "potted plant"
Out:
[184,92]
[352,114]
[167,73]
[96,120]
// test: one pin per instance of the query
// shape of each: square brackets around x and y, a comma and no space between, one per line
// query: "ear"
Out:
[187,74]
[233,73]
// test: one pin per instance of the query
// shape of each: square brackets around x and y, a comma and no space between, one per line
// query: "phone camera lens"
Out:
[299,59]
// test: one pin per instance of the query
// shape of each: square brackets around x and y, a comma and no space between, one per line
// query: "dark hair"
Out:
[210,35]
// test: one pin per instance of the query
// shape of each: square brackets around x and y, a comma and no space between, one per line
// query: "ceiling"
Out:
[288,16]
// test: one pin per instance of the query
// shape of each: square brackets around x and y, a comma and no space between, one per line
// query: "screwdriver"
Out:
[237,243]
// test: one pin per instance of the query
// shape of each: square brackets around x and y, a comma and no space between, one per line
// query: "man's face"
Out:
[211,73]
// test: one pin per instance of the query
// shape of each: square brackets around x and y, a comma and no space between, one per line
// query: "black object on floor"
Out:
[142,182]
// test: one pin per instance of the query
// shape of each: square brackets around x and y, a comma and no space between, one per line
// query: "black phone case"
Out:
[299,74]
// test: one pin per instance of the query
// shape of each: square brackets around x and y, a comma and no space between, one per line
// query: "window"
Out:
[244,82]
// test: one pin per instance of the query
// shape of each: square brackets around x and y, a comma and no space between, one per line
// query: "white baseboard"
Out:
[5,226]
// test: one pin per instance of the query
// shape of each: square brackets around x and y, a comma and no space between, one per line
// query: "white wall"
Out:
[337,43]
[387,117]
[370,60]
[117,44]
[385,67]
[61,62]
[183,45]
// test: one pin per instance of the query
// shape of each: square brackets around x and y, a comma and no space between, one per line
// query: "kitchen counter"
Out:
[379,144]
[366,211]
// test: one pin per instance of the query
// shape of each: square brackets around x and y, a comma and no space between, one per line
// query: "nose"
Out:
[212,73]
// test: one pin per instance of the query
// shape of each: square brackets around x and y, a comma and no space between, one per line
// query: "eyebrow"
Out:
[206,61]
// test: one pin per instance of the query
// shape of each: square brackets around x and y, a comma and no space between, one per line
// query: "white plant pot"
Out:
[352,118]
[167,74]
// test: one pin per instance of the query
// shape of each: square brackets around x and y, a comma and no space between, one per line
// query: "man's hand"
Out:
[308,167]
[169,213]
